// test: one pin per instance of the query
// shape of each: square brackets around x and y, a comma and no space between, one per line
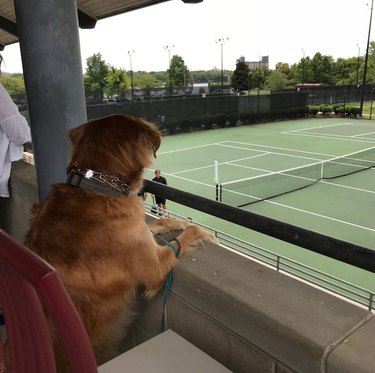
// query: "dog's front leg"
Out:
[159,226]
[169,253]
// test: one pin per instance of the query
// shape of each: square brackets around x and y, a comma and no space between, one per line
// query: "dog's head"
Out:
[117,145]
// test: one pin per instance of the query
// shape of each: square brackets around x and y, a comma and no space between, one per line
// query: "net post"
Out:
[216,179]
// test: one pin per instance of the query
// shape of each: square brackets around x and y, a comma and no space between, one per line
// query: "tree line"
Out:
[109,81]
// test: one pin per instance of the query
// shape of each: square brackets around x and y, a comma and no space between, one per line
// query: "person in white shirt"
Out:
[14,133]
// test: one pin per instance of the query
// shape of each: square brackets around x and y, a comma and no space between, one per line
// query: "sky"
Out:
[283,30]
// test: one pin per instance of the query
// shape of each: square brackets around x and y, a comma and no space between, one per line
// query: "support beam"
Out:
[52,67]
[8,26]
[85,21]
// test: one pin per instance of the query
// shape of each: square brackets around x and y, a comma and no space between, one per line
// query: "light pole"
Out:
[366,60]
[259,61]
[130,53]
[258,81]
[169,48]
[359,52]
[303,67]
[222,41]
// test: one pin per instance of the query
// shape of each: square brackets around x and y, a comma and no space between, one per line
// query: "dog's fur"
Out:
[100,245]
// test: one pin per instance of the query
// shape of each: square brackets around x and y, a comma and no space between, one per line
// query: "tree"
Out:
[117,82]
[302,71]
[345,71]
[283,68]
[322,67]
[144,80]
[370,75]
[13,83]
[96,74]
[277,81]
[240,77]
[179,73]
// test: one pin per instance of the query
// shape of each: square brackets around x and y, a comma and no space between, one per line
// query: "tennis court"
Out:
[301,160]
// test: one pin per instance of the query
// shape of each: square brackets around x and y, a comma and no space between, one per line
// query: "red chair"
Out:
[29,289]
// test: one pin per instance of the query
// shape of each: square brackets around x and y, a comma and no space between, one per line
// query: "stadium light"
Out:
[366,61]
[303,67]
[222,41]
[130,53]
[169,48]
[359,53]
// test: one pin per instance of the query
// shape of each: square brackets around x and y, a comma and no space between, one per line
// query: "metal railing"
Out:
[346,252]
[322,280]
[343,251]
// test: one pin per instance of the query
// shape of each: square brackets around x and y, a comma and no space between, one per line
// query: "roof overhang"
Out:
[89,12]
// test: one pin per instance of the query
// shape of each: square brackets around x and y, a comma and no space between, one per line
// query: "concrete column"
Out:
[51,58]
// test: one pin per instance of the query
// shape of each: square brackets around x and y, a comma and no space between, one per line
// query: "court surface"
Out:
[274,153]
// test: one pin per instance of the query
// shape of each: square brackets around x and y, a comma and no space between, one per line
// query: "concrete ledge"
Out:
[354,348]
[247,316]
[251,318]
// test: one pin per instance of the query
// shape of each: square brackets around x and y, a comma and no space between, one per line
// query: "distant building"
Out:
[253,65]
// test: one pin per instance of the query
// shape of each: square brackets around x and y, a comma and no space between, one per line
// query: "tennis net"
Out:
[273,184]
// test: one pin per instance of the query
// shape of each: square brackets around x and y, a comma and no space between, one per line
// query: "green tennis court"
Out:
[268,159]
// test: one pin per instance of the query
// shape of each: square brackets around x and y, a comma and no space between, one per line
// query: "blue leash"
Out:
[168,282]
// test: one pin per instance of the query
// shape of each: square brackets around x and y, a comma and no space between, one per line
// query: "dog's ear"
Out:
[151,137]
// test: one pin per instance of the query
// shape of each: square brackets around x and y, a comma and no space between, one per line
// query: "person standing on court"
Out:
[14,133]
[160,201]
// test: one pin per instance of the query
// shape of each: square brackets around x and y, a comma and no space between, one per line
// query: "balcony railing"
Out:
[343,251]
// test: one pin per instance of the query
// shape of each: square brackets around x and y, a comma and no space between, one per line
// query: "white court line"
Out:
[268,147]
[191,170]
[191,148]
[364,134]
[325,135]
[283,205]
[279,148]
[193,181]
[313,128]
[239,147]
[184,178]
[347,186]
[330,137]
[221,163]
[309,213]
[268,172]
[322,216]
[272,152]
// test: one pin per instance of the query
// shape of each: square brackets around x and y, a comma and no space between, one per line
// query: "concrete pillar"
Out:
[51,58]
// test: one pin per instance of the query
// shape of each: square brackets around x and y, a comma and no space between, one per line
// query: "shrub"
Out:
[353,111]
[313,109]
[171,125]
[325,108]
[220,119]
[341,110]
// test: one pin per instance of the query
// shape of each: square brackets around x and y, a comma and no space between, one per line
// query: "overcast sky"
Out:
[283,30]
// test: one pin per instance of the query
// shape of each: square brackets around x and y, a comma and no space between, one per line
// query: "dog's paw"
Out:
[204,238]
[209,237]
[184,224]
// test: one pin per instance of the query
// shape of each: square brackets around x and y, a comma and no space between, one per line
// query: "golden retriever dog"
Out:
[92,228]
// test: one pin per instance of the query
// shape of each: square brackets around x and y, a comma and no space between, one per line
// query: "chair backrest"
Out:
[30,289]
